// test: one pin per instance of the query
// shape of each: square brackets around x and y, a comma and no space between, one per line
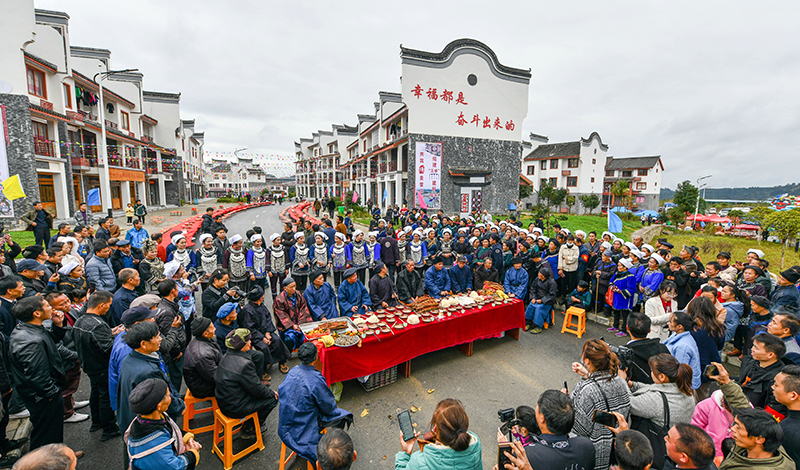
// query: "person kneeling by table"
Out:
[265,337]
[153,439]
[543,295]
[353,296]
[307,406]
[291,311]
[239,389]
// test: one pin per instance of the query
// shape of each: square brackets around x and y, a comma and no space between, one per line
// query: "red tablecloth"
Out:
[340,364]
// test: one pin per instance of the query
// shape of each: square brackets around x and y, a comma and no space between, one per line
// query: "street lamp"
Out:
[699,187]
[106,180]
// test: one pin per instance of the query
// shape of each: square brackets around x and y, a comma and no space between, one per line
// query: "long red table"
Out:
[339,364]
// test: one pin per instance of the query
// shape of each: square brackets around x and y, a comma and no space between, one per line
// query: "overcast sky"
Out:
[712,87]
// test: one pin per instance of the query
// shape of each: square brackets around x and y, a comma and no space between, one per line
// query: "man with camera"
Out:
[635,356]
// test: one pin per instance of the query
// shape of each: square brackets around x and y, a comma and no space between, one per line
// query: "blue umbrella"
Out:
[646,212]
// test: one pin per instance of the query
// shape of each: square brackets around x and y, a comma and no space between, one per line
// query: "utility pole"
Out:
[699,187]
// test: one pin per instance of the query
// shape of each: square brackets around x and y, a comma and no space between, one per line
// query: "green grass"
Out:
[710,245]
[23,237]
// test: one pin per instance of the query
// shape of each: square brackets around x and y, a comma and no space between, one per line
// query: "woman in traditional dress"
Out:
[418,252]
[340,253]
[207,258]
[359,256]
[183,255]
[257,262]
[235,261]
[151,268]
[321,261]
[300,259]
[277,264]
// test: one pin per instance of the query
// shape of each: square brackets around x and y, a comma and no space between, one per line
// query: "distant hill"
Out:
[752,193]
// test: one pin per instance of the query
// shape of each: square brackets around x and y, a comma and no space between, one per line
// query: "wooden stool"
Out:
[293,454]
[225,424]
[192,411]
[575,328]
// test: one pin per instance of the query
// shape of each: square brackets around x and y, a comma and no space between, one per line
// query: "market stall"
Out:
[388,346]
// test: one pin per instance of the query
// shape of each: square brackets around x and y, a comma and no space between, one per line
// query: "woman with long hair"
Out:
[600,389]
[450,444]
[674,381]
[711,293]
[737,306]
[709,334]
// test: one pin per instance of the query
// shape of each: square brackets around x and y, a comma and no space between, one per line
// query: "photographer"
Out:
[600,389]
[642,348]
[215,296]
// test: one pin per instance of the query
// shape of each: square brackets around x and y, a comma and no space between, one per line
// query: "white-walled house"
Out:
[643,175]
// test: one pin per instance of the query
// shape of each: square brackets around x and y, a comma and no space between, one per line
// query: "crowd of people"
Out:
[124,311]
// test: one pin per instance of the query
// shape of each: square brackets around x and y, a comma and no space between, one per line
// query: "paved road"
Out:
[502,373]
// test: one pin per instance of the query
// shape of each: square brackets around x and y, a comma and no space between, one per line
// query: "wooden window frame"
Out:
[544,165]
[574,179]
[553,182]
[531,169]
[642,172]
[629,173]
[33,71]
[67,95]
[554,164]
[641,186]
[610,173]
[576,161]
[126,120]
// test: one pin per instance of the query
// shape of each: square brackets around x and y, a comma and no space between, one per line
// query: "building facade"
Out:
[53,117]
[643,175]
[237,176]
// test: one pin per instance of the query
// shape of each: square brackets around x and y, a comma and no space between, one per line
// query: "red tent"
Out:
[745,227]
[700,218]
[718,220]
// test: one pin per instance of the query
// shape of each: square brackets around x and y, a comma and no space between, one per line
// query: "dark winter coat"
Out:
[199,365]
[409,284]
[36,366]
[238,389]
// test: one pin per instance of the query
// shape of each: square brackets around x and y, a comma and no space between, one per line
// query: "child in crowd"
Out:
[129,213]
[581,297]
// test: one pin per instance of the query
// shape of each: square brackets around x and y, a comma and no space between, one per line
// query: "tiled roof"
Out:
[450,49]
[49,112]
[632,163]
[51,67]
[560,150]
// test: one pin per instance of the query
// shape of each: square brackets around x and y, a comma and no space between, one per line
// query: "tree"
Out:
[736,216]
[676,215]
[548,197]
[589,201]
[759,215]
[620,190]
[570,201]
[784,224]
[524,191]
[686,197]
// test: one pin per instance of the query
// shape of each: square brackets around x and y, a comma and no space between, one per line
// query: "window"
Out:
[126,120]
[531,169]
[639,199]
[642,173]
[41,140]
[37,85]
[627,173]
[609,172]
[572,181]
[592,179]
[544,165]
[67,96]
[573,162]
[543,182]
[554,163]
[553,182]
[594,161]
[641,186]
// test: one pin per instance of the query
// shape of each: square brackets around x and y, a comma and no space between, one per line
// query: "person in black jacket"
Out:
[239,390]
[287,237]
[11,290]
[409,283]
[486,272]
[208,221]
[6,445]
[215,295]
[390,254]
[201,359]
[94,340]
[11,249]
[264,336]
[381,288]
[37,369]
[642,348]
[169,321]
[31,272]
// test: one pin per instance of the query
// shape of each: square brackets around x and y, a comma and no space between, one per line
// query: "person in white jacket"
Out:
[568,256]
[659,309]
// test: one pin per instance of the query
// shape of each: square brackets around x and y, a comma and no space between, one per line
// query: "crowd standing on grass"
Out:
[140,319]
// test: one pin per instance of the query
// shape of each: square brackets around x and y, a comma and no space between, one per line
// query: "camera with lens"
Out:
[239,292]
[509,418]
[625,355]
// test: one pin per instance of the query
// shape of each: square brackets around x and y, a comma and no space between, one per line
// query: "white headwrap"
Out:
[546,239]
[381,220]
[298,235]
[255,237]
[607,233]
[67,268]
[427,231]
[758,253]
[321,234]
[177,238]
[236,238]
[472,240]
[341,236]
[566,230]
[203,237]
[374,233]
[272,237]
[649,248]
[480,225]
[407,228]
[447,230]
[357,233]
[626,262]
[658,258]
[638,254]
[171,268]
[606,245]
[580,233]
[631,246]
[537,230]
[525,231]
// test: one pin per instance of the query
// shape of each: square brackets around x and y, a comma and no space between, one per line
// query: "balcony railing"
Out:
[112,125]
[88,116]
[84,162]
[115,160]
[132,162]
[146,138]
[43,147]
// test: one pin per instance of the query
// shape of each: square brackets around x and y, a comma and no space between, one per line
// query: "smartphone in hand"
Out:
[502,459]
[404,419]
[710,370]
[605,418]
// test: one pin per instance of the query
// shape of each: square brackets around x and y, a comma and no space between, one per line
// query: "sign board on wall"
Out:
[6,207]
[428,177]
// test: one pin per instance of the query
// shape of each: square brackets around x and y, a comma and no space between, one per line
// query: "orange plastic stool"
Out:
[575,328]
[552,318]
[227,425]
[293,454]
[192,411]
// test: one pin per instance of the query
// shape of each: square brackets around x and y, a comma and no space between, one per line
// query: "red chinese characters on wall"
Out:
[465,203]
[433,94]
[448,97]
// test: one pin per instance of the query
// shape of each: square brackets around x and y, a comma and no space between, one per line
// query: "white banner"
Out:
[429,168]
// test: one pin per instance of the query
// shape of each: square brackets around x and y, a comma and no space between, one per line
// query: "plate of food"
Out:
[334,327]
[346,341]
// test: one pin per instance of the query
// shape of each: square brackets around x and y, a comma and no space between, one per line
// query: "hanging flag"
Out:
[93,197]
[384,194]
[12,188]
[614,222]
[422,204]
[355,196]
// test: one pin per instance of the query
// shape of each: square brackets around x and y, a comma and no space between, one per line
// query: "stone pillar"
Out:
[20,149]
[125,193]
[66,155]
[60,190]
[162,190]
